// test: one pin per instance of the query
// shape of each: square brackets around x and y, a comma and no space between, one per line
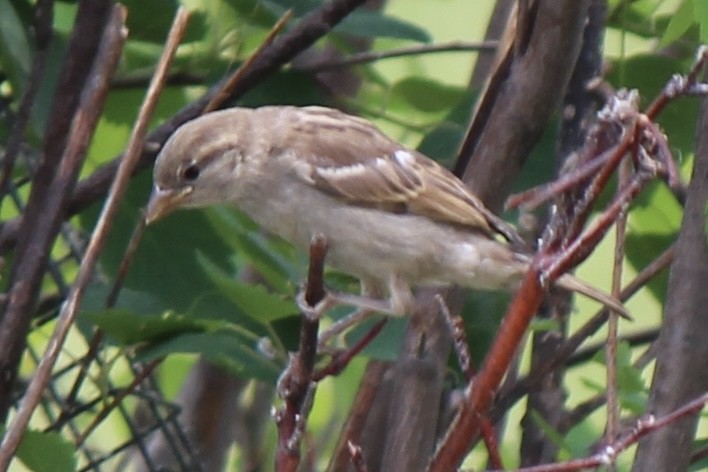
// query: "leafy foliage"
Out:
[187,290]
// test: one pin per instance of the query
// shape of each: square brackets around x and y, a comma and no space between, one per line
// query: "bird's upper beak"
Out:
[164,201]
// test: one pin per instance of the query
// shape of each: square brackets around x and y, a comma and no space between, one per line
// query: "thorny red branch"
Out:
[564,246]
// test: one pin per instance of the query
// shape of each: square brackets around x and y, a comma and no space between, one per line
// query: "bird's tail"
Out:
[574,284]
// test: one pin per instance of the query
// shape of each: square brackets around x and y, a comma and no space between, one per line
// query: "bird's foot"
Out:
[314,312]
[364,302]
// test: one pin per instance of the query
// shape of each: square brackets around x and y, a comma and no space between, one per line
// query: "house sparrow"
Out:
[392,217]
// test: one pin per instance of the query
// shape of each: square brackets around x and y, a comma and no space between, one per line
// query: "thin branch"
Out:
[296,385]
[341,359]
[356,457]
[613,325]
[479,395]
[610,452]
[44,16]
[301,36]
[232,83]
[525,384]
[456,325]
[635,339]
[66,140]
[367,398]
[97,418]
[373,56]
[679,85]
[70,307]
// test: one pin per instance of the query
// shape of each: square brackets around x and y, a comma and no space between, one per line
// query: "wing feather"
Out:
[351,159]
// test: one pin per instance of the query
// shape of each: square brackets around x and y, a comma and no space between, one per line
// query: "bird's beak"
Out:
[164,201]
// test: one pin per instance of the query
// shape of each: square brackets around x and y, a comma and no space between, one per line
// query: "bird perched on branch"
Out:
[392,217]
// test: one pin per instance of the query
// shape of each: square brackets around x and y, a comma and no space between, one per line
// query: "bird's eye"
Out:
[191,173]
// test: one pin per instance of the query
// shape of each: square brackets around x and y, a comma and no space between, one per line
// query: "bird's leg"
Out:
[339,326]
[368,303]
[400,299]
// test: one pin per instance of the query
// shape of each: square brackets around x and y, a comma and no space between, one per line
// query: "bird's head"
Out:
[199,165]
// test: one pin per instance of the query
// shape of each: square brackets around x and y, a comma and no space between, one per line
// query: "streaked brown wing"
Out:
[349,158]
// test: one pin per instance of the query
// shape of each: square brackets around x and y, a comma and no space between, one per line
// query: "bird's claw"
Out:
[313,312]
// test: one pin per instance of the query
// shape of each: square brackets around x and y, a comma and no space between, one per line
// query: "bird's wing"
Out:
[351,159]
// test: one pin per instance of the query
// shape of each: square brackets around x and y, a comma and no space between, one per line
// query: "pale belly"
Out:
[373,245]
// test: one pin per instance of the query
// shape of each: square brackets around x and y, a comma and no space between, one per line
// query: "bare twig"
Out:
[98,238]
[96,420]
[357,458]
[612,428]
[342,359]
[610,452]
[459,338]
[679,85]
[66,140]
[285,48]
[373,56]
[525,384]
[564,246]
[296,386]
[232,83]
[466,427]
[367,398]
[43,30]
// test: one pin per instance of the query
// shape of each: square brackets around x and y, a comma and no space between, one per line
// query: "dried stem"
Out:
[285,48]
[94,50]
[296,385]
[478,397]
[613,325]
[373,56]
[610,452]
[96,420]
[44,16]
[342,359]
[457,331]
[98,238]
[562,249]
[226,91]
[525,384]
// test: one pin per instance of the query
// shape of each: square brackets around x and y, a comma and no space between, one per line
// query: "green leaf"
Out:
[544,324]
[46,452]
[150,21]
[15,51]
[629,378]
[128,327]
[649,74]
[251,243]
[679,23]
[653,225]
[635,17]
[700,465]
[288,87]
[375,25]
[165,265]
[443,142]
[701,9]
[632,392]
[428,95]
[235,351]
[253,300]
[385,346]
[635,402]
[128,299]
[553,434]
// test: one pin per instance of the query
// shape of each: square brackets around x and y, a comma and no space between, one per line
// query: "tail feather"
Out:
[574,284]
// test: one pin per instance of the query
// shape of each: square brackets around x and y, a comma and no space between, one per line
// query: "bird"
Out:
[392,217]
